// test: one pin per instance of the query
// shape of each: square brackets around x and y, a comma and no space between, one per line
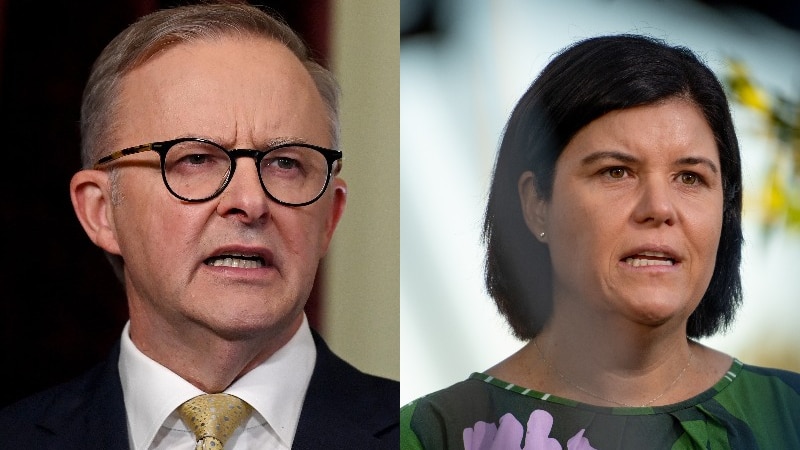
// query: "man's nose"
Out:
[244,196]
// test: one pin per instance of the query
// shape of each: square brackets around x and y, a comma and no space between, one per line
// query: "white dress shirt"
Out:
[275,389]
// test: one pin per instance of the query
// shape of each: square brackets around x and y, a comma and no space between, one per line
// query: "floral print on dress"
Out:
[508,436]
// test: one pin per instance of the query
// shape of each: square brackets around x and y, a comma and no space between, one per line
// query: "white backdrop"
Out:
[457,91]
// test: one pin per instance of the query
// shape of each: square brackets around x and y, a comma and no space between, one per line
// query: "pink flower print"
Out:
[578,442]
[508,436]
[481,436]
[540,423]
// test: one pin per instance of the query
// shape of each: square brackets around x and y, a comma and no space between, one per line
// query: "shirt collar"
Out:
[275,389]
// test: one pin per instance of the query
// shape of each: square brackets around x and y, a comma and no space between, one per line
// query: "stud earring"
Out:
[541,235]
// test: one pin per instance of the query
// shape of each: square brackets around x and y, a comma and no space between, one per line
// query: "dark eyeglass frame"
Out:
[161,147]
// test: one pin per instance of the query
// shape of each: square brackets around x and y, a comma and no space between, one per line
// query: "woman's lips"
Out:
[650,258]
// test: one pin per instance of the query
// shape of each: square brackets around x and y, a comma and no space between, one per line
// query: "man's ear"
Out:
[534,207]
[91,200]
[339,188]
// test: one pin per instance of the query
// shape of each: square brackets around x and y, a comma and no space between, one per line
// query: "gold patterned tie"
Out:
[213,418]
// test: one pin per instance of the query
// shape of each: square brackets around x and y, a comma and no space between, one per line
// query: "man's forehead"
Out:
[220,90]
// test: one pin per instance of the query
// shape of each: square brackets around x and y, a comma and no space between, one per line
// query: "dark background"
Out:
[61,307]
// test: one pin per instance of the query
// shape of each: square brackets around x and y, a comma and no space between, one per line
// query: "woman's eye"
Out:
[689,178]
[616,172]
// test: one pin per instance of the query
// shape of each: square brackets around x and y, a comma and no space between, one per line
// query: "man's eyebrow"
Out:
[696,160]
[285,140]
[619,156]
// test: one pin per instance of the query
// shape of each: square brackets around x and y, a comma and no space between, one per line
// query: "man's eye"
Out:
[196,159]
[284,163]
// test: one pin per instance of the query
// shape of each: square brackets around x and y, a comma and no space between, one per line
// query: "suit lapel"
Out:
[93,405]
[335,414]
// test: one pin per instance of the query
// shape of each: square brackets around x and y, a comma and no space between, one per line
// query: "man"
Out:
[211,181]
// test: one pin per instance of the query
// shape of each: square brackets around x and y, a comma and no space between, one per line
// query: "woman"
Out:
[614,239]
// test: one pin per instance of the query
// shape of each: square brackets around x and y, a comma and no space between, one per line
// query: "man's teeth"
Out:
[242,262]
[650,259]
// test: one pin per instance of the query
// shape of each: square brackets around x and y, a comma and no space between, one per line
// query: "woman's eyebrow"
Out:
[698,160]
[630,159]
[619,156]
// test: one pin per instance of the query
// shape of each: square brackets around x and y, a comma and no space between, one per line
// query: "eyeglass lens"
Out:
[199,170]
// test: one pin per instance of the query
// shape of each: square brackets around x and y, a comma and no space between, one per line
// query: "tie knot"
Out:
[214,417]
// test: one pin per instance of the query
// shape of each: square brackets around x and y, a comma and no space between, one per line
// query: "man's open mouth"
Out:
[240,261]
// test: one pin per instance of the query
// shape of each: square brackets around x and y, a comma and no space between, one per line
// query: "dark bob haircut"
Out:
[582,83]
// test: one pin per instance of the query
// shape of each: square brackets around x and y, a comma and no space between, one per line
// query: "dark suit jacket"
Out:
[344,409]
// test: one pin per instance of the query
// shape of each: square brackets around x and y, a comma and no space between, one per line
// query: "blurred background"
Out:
[463,66]
[61,307]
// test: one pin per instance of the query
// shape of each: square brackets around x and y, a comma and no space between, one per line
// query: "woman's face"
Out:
[636,214]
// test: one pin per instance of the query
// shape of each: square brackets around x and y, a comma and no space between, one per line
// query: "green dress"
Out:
[749,408]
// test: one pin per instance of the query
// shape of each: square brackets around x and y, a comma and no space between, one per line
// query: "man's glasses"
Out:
[197,170]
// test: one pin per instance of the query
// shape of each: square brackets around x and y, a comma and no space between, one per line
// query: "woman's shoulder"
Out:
[466,391]
[760,402]
[758,395]
[430,416]
[773,378]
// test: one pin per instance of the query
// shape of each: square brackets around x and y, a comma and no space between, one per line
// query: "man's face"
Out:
[192,263]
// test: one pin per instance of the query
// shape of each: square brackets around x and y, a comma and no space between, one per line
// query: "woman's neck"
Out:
[606,360]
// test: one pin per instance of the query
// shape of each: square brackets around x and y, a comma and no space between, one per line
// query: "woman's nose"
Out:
[655,203]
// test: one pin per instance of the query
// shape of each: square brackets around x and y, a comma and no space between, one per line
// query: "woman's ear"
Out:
[91,200]
[534,207]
